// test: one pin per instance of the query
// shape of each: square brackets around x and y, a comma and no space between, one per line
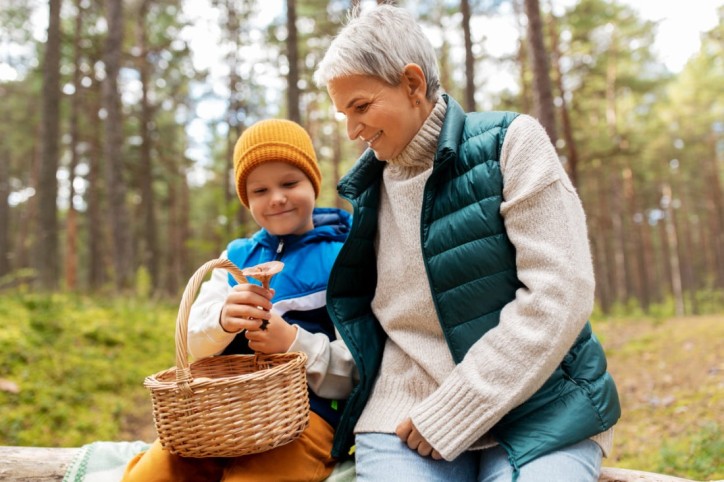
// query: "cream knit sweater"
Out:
[454,406]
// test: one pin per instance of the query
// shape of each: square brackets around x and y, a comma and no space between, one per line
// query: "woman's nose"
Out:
[354,129]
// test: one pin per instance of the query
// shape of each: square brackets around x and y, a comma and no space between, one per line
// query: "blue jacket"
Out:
[470,263]
[300,289]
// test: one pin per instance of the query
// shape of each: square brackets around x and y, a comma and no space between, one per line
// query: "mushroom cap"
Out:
[264,270]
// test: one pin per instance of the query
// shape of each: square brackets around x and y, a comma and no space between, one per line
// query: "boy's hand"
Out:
[247,308]
[276,338]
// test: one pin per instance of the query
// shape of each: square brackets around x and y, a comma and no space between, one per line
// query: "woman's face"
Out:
[386,117]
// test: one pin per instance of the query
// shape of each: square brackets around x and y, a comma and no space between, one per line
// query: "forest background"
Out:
[116,154]
[115,168]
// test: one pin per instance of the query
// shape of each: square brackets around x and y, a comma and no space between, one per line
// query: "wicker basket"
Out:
[231,405]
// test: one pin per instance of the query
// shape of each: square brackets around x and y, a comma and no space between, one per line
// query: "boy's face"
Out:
[281,198]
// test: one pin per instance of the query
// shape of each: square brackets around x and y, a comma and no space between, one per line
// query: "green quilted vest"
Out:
[464,190]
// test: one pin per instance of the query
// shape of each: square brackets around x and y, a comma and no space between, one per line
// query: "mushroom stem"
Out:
[263,273]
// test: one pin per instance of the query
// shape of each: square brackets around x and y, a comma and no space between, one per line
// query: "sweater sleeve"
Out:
[544,220]
[206,337]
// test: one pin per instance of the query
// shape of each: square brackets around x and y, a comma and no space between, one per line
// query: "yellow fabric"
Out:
[306,459]
[274,140]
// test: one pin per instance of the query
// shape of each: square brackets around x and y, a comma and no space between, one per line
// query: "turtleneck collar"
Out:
[420,152]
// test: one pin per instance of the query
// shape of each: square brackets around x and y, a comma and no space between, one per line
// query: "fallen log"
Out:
[35,464]
[41,464]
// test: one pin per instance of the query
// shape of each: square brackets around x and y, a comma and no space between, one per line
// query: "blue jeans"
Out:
[382,457]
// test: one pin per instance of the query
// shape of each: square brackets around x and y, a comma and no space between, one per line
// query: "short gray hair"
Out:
[380,42]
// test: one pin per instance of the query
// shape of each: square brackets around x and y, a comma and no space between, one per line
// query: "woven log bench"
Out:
[40,464]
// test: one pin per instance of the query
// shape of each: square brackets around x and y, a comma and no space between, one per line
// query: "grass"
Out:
[72,368]
[77,365]
[670,378]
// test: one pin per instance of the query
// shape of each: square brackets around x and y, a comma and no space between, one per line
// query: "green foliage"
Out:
[143,283]
[79,364]
[708,301]
[700,456]
[669,382]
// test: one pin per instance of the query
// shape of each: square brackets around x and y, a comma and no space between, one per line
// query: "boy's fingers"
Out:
[243,299]
[250,288]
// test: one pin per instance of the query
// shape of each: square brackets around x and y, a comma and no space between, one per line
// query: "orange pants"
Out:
[306,459]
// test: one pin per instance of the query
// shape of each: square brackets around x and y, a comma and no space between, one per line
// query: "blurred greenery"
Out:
[78,364]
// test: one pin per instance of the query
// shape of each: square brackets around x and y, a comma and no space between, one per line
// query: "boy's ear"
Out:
[415,81]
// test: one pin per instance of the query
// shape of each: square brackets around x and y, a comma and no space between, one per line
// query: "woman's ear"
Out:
[415,81]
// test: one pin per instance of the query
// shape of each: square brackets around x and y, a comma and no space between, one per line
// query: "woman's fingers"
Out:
[404,429]
[409,434]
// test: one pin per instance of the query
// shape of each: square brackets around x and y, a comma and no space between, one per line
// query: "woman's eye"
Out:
[362,107]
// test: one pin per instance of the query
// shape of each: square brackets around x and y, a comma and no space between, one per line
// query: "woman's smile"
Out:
[372,139]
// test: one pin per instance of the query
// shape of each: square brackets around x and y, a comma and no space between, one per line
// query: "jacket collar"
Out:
[452,130]
[329,224]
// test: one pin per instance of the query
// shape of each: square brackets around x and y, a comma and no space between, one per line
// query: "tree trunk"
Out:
[469,59]
[618,234]
[638,273]
[71,230]
[235,215]
[604,237]
[45,252]
[687,254]
[525,101]
[715,211]
[543,96]
[97,273]
[570,147]
[673,244]
[149,254]
[4,211]
[115,183]
[292,57]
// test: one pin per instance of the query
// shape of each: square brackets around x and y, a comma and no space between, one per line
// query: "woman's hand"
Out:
[247,308]
[414,439]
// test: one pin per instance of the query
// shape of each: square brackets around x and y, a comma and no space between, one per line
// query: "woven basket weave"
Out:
[230,405]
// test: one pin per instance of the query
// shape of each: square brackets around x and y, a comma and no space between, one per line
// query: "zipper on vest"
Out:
[280,248]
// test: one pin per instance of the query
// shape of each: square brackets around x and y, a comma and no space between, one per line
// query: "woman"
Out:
[464,288]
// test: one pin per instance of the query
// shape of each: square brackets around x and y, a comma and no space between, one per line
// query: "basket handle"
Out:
[183,373]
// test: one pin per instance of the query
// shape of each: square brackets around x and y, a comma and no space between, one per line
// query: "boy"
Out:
[278,180]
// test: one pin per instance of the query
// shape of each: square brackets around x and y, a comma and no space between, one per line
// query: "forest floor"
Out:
[670,378]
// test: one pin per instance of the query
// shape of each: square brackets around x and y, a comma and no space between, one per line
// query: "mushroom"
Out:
[263,273]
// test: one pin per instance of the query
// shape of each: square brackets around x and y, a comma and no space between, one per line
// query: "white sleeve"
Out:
[331,370]
[205,335]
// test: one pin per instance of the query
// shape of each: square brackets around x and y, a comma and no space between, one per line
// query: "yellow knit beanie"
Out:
[274,140]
